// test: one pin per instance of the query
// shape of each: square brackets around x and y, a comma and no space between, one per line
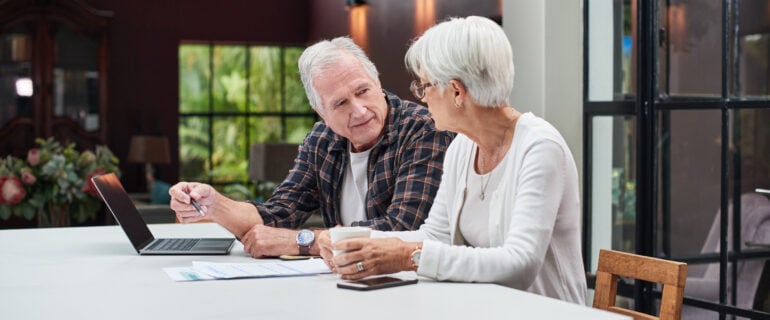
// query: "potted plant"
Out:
[53,183]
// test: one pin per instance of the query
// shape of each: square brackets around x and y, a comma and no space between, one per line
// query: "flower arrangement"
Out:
[53,182]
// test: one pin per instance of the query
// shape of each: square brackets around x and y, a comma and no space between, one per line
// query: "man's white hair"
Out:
[318,57]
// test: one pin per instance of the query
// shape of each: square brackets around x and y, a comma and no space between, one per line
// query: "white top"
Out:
[354,186]
[534,222]
[474,216]
[94,273]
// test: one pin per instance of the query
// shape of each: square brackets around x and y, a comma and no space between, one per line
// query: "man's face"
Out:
[353,104]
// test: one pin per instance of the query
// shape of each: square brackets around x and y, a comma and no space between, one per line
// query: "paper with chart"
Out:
[204,270]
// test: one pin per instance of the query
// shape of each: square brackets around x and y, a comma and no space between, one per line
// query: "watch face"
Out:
[305,238]
[416,257]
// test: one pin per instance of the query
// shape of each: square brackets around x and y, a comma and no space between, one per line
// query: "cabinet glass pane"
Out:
[194,78]
[229,91]
[613,184]
[76,79]
[612,46]
[265,79]
[754,49]
[691,49]
[689,169]
[16,87]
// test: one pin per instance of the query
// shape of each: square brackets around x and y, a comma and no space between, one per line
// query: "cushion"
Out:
[159,193]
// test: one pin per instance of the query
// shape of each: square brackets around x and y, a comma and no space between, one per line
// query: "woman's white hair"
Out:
[472,50]
[324,54]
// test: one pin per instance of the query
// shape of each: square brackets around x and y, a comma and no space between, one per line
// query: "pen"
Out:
[197,207]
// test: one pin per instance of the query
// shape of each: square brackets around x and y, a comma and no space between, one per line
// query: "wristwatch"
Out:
[305,239]
[416,258]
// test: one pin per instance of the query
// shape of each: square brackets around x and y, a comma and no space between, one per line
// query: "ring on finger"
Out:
[360,266]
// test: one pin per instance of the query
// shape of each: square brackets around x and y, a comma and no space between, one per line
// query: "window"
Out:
[675,136]
[231,96]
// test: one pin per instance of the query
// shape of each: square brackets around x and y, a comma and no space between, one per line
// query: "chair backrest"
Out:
[755,228]
[671,274]
[271,161]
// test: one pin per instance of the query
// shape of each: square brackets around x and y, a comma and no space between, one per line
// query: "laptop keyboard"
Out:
[174,244]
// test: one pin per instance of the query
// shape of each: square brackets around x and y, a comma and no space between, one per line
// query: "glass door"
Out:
[676,113]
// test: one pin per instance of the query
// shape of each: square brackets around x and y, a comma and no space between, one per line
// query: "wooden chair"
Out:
[671,274]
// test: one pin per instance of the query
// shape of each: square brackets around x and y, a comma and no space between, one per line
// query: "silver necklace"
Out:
[483,193]
[484,186]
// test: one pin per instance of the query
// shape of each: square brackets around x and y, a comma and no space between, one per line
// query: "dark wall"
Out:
[143,69]
[390,29]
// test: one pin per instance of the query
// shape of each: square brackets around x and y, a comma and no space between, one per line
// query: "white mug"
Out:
[342,233]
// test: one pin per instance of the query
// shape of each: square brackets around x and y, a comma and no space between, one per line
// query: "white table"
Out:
[94,273]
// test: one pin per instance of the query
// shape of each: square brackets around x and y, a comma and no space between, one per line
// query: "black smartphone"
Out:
[375,283]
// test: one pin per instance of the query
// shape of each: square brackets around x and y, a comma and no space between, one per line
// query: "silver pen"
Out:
[197,207]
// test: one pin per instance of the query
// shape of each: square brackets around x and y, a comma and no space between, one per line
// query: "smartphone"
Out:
[375,283]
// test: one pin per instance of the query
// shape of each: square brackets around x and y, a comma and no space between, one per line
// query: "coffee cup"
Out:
[342,233]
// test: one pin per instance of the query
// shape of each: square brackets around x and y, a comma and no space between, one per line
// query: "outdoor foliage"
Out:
[231,97]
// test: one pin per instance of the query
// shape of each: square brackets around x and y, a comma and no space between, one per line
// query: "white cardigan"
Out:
[534,219]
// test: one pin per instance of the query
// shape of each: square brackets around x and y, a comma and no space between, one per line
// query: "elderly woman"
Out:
[508,209]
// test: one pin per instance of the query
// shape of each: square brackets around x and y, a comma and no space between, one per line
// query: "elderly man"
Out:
[375,161]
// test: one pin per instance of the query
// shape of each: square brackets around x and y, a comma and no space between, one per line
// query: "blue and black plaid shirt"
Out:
[405,169]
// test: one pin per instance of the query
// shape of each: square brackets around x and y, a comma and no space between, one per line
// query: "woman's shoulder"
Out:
[461,143]
[532,128]
[459,149]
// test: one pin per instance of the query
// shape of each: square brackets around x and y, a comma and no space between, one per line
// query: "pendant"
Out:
[481,196]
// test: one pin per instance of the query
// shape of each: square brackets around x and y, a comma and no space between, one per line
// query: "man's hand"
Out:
[181,194]
[263,241]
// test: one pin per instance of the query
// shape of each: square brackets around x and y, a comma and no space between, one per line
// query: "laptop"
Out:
[124,211]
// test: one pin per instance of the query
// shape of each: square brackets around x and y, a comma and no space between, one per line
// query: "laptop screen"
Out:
[123,209]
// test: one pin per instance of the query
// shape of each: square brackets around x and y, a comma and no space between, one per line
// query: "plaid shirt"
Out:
[404,171]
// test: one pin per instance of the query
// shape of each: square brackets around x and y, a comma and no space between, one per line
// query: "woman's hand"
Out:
[365,257]
[325,246]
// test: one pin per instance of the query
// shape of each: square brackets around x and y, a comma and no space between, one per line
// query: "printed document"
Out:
[203,270]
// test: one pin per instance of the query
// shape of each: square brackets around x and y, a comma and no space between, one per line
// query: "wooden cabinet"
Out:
[53,73]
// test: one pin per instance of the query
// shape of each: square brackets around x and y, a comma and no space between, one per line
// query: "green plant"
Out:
[623,195]
[53,177]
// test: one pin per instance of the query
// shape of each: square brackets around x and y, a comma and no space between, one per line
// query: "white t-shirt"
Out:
[474,216]
[354,186]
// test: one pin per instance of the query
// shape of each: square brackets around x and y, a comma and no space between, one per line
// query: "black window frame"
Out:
[211,115]
[645,106]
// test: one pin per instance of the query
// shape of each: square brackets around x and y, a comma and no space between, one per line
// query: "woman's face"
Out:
[440,104]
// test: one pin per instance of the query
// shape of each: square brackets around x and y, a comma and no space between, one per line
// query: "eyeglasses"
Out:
[418,89]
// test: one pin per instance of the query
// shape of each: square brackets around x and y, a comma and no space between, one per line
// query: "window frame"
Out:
[211,115]
[645,105]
